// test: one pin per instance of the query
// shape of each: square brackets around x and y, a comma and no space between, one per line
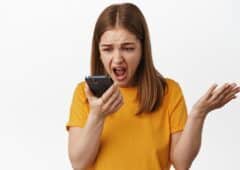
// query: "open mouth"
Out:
[120,73]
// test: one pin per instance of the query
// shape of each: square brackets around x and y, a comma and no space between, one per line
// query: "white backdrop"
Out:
[45,50]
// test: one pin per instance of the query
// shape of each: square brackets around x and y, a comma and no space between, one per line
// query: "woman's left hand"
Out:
[215,98]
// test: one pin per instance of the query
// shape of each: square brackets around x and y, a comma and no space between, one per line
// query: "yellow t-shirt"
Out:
[134,142]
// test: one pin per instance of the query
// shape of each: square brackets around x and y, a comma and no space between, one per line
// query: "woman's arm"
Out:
[185,145]
[84,142]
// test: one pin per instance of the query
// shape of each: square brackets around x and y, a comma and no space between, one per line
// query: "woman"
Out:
[140,122]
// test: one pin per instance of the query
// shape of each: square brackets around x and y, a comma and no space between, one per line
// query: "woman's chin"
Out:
[122,81]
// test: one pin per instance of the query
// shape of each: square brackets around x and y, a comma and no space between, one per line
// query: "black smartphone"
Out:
[99,84]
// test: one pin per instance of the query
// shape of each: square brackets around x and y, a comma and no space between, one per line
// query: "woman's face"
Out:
[120,53]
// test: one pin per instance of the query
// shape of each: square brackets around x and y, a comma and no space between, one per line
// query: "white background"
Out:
[45,52]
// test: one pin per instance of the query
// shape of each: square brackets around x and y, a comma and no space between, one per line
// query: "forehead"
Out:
[117,36]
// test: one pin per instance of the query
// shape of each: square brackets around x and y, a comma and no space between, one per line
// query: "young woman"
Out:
[141,121]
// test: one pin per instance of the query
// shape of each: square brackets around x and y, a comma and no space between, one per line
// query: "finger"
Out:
[233,92]
[218,92]
[219,98]
[227,100]
[109,92]
[238,89]
[111,108]
[231,95]
[225,92]
[117,104]
[210,90]
[112,99]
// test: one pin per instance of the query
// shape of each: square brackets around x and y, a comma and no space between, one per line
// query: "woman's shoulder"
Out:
[172,86]
[79,87]
[81,84]
[79,90]
[171,82]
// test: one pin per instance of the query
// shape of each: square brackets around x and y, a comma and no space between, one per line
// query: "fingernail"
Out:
[226,85]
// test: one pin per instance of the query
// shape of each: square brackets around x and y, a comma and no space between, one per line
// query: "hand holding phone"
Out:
[104,103]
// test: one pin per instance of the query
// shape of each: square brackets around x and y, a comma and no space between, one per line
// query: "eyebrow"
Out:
[125,43]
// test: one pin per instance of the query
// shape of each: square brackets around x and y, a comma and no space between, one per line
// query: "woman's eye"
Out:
[107,49]
[129,49]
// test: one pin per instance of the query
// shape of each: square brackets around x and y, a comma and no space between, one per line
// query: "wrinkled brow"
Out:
[123,44]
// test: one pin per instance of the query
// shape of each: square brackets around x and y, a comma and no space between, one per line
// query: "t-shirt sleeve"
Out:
[79,108]
[177,109]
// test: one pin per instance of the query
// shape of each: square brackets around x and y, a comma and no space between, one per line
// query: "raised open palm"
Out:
[215,98]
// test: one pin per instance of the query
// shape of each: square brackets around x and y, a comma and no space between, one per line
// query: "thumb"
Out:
[210,90]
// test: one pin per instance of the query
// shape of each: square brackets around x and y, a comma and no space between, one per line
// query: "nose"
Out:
[117,57]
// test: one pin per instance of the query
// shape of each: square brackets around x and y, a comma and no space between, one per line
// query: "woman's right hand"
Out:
[108,103]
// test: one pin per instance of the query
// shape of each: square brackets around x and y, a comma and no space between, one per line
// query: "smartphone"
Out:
[99,84]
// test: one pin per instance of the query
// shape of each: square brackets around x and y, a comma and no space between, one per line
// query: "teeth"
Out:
[119,68]
[119,71]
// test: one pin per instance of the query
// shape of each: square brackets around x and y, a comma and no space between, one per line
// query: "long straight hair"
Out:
[151,84]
